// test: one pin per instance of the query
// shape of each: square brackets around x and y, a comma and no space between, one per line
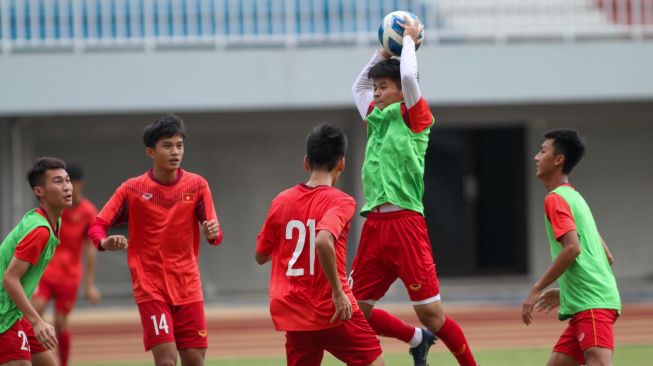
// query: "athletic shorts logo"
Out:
[581,337]
[202,333]
[147,196]
[415,286]
[188,197]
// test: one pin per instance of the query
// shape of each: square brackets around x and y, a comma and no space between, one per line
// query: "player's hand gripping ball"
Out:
[391,34]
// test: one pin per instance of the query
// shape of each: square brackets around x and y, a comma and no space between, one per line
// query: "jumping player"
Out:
[310,298]
[25,338]
[164,208]
[64,273]
[394,241]
[588,292]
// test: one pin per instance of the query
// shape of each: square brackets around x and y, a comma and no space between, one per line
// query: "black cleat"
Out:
[420,351]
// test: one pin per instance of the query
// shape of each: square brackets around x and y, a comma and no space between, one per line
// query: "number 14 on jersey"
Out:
[296,225]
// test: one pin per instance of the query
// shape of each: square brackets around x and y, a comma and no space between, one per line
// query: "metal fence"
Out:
[82,25]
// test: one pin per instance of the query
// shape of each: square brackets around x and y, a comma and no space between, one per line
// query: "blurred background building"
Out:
[79,79]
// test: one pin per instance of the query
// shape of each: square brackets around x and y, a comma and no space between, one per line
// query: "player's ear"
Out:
[341,164]
[38,191]
[149,152]
[559,160]
[307,167]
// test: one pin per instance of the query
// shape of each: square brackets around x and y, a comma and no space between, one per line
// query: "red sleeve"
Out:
[115,211]
[268,239]
[30,248]
[337,217]
[369,110]
[91,214]
[206,211]
[419,117]
[98,232]
[559,215]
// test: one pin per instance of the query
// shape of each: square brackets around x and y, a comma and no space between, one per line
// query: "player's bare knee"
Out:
[192,357]
[431,316]
[165,361]
[433,322]
[194,362]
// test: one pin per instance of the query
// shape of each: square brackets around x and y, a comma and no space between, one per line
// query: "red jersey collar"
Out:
[303,185]
[41,211]
[180,173]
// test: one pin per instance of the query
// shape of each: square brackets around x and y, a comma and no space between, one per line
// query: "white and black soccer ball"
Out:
[391,34]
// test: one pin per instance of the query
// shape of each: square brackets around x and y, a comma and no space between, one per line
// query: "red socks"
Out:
[388,325]
[64,347]
[454,338]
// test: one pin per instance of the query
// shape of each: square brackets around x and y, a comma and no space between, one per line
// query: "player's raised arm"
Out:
[363,88]
[408,65]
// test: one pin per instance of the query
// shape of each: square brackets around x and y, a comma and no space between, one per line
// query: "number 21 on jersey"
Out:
[291,227]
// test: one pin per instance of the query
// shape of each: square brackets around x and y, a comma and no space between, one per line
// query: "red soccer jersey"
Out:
[417,117]
[300,295]
[66,264]
[164,234]
[559,214]
[31,246]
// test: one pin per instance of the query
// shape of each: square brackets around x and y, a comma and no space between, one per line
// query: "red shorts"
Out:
[589,328]
[394,244]
[353,342]
[184,325]
[64,296]
[19,342]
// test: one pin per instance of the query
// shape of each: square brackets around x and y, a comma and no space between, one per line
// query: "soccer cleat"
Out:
[420,351]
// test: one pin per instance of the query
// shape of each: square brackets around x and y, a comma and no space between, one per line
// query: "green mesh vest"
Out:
[9,313]
[589,282]
[393,170]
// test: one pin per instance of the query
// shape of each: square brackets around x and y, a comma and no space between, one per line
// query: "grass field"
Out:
[626,355]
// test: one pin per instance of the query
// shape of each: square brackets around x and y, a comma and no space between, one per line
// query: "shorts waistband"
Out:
[386,207]
[392,214]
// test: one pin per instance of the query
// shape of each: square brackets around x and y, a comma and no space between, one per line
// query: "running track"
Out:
[115,336]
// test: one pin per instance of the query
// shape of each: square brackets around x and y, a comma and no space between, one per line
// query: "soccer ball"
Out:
[391,35]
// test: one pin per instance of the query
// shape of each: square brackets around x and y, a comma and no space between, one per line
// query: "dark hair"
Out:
[325,146]
[36,175]
[567,142]
[75,172]
[167,126]
[386,69]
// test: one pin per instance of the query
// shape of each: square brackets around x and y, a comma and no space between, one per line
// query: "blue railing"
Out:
[84,24]
[52,22]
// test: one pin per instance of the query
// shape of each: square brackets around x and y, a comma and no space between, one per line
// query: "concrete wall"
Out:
[316,77]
